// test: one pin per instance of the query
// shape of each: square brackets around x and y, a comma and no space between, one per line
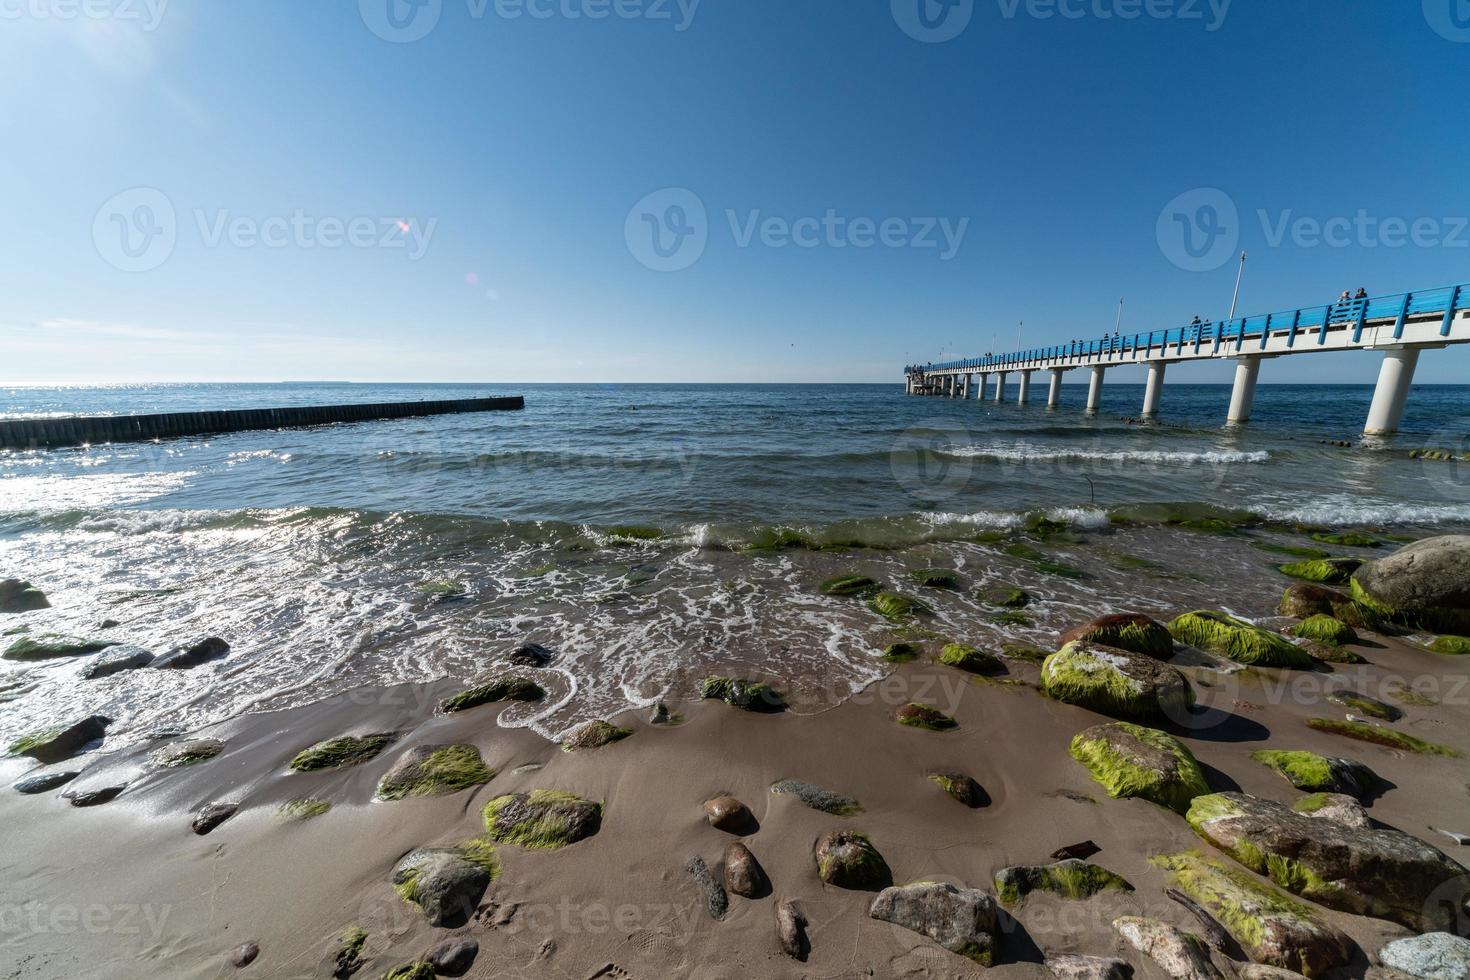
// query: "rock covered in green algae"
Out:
[848,859]
[594,735]
[1271,927]
[17,596]
[1005,597]
[53,646]
[959,787]
[1381,873]
[1125,631]
[417,970]
[1240,641]
[967,658]
[816,797]
[543,819]
[186,753]
[936,578]
[1347,539]
[925,716]
[1329,571]
[1322,774]
[1457,646]
[1364,732]
[1334,806]
[902,653]
[747,695]
[434,770]
[1116,682]
[348,958]
[1425,584]
[1303,600]
[896,606]
[62,742]
[493,691]
[1071,879]
[962,920]
[849,585]
[341,752]
[306,808]
[1134,761]
[1326,629]
[445,883]
[1365,705]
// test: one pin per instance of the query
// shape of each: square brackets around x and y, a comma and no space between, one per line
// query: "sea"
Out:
[653,535]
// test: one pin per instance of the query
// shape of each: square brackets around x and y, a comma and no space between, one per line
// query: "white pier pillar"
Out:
[1094,388]
[1025,396]
[1395,378]
[965,391]
[1154,390]
[1000,386]
[1243,395]
[1054,392]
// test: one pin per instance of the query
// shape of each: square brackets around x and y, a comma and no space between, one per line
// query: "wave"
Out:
[1023,453]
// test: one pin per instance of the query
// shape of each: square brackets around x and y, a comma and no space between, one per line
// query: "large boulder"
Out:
[1381,873]
[1434,956]
[1130,760]
[444,883]
[543,818]
[62,742]
[1177,953]
[1126,631]
[194,654]
[1240,641]
[744,875]
[848,859]
[1322,774]
[115,661]
[1071,879]
[53,646]
[1116,682]
[1076,966]
[1270,927]
[962,920]
[18,597]
[1425,584]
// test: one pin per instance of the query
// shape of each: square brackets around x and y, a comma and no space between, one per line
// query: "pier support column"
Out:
[1000,386]
[1243,395]
[1094,388]
[1395,378]
[1154,390]
[1054,391]
[1025,396]
[965,389]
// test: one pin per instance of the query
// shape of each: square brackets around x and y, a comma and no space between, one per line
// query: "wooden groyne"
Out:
[91,430]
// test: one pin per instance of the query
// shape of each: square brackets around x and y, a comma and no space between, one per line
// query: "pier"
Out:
[53,433]
[1400,326]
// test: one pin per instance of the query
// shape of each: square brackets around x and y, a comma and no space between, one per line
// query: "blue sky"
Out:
[308,193]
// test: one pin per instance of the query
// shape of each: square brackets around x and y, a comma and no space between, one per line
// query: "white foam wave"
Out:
[1026,453]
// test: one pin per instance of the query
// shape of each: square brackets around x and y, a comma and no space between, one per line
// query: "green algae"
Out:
[1388,737]
[925,716]
[902,653]
[348,959]
[594,735]
[542,819]
[1326,571]
[341,752]
[1238,640]
[502,689]
[53,646]
[1091,677]
[897,606]
[1043,562]
[967,658]
[744,694]
[849,586]
[1070,879]
[1291,551]
[1326,629]
[448,769]
[1349,539]
[856,865]
[1172,785]
[1304,770]
[295,811]
[1457,646]
[936,578]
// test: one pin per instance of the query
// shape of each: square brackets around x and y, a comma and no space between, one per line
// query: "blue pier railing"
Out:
[1308,325]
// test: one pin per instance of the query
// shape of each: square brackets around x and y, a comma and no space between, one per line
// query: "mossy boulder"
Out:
[1303,600]
[1125,631]
[848,859]
[417,970]
[61,742]
[1134,761]
[193,654]
[434,770]
[744,694]
[896,606]
[1329,571]
[1271,927]
[594,735]
[303,809]
[1364,732]
[967,658]
[1334,806]
[1240,641]
[1425,584]
[902,653]
[849,585]
[1326,629]
[925,716]
[492,691]
[341,752]
[1381,873]
[959,787]
[446,883]
[348,958]
[1457,646]
[18,597]
[1347,539]
[1116,682]
[188,752]
[936,578]
[1363,704]
[542,819]
[817,798]
[1070,879]
[53,646]
[1322,774]
[962,920]
[1005,597]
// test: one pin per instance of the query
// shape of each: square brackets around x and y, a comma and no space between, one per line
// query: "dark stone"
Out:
[715,898]
[108,624]
[46,781]
[960,787]
[849,860]
[453,957]
[659,715]
[1075,966]
[791,929]
[1134,632]
[210,648]
[57,745]
[1076,852]
[94,797]
[442,883]
[743,873]
[115,661]
[730,815]
[244,954]
[18,597]
[531,655]
[211,815]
